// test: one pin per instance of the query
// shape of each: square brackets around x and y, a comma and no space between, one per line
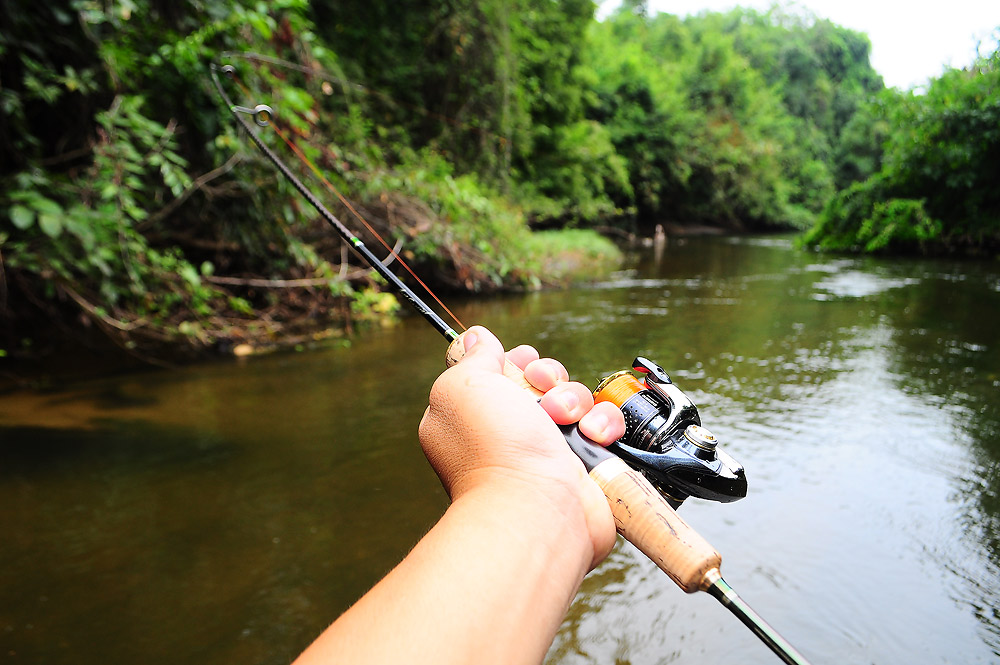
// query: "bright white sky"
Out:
[911,41]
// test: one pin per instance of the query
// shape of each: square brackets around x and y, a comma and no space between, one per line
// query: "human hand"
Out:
[483,433]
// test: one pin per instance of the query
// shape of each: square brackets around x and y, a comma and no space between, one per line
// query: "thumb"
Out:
[482,349]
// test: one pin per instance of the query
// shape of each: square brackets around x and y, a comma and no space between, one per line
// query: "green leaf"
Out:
[298,99]
[46,206]
[260,24]
[189,274]
[135,212]
[79,226]
[240,305]
[22,217]
[51,225]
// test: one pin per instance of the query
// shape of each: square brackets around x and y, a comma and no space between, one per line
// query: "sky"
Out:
[912,42]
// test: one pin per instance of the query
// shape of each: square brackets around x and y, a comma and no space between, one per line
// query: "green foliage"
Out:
[897,222]
[80,229]
[371,304]
[466,232]
[495,87]
[858,153]
[566,256]
[129,193]
[576,179]
[935,188]
[109,121]
[727,119]
[865,217]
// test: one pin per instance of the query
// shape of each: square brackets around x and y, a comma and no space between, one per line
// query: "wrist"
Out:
[548,518]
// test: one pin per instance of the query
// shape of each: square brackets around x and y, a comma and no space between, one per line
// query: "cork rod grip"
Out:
[645,519]
[641,514]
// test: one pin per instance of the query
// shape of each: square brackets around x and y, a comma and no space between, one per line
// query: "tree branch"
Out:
[270,283]
[100,317]
[199,183]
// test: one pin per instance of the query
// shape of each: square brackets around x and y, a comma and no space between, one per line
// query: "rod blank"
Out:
[721,590]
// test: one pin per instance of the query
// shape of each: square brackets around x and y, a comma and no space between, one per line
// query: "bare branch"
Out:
[270,283]
[93,311]
[200,182]
[345,276]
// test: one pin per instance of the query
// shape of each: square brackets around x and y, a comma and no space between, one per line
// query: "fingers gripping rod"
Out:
[645,519]
[642,516]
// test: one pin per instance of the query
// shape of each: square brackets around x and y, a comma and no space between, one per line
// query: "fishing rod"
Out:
[665,455]
[262,114]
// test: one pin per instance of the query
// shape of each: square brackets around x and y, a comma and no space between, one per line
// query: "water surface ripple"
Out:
[226,513]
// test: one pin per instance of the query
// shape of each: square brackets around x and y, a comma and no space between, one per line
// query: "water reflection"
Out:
[226,513]
[857,479]
[946,330]
[232,506]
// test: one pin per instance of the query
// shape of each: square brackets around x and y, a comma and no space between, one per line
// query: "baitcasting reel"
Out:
[664,438]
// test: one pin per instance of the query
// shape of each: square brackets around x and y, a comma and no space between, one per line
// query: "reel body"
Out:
[664,438]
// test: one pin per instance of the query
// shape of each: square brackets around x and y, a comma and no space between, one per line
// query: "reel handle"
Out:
[641,514]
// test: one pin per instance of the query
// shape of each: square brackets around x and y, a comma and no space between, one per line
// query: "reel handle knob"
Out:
[642,516]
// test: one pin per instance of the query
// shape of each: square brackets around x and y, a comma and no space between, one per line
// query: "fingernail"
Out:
[568,400]
[555,376]
[470,340]
[599,422]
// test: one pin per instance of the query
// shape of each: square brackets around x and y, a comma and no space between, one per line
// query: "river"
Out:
[227,512]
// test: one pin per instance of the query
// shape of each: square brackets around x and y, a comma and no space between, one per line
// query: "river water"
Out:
[225,513]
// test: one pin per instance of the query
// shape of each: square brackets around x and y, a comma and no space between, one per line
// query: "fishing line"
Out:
[347,204]
[263,116]
[674,451]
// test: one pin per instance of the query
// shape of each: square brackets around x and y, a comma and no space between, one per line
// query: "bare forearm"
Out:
[490,582]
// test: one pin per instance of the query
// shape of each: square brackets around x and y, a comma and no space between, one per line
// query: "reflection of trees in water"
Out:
[600,590]
[946,330]
[800,325]
[825,346]
[746,321]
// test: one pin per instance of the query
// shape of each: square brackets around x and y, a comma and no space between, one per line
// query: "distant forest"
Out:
[488,139]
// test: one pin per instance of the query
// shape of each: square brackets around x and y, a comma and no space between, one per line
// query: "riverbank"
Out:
[148,215]
[53,331]
[67,341]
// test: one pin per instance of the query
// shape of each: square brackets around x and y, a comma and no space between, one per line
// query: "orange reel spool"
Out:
[618,388]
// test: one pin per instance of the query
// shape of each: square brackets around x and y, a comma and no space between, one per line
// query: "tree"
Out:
[935,189]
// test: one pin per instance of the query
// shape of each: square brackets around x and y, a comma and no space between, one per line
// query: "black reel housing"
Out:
[664,438]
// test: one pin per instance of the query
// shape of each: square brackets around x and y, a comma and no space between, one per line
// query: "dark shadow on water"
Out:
[115,447]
